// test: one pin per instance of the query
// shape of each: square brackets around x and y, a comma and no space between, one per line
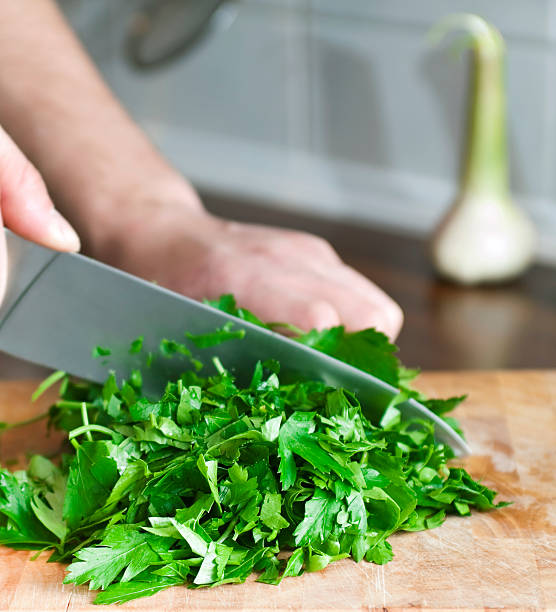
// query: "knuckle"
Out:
[314,243]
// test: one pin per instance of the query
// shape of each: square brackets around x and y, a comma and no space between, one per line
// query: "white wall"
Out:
[338,107]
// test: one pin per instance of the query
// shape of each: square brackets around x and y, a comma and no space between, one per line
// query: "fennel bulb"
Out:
[485,237]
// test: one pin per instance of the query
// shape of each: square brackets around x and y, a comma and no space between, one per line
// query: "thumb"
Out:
[25,204]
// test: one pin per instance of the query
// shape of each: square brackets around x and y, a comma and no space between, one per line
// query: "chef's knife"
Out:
[59,305]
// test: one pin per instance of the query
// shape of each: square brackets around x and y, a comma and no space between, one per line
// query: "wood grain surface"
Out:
[505,559]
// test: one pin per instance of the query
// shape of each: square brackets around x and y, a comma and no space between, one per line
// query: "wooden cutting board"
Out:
[502,559]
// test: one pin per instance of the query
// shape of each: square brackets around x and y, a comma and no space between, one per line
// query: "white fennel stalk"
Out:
[485,237]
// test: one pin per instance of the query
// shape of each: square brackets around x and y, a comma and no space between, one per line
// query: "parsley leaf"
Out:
[122,548]
[92,474]
[211,481]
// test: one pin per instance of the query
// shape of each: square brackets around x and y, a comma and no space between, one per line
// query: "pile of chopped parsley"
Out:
[209,482]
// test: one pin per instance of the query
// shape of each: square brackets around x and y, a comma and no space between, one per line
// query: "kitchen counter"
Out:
[501,559]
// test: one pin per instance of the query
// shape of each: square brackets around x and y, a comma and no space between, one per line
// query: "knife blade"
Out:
[59,305]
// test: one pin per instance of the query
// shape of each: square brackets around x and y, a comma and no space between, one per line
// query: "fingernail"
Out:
[62,234]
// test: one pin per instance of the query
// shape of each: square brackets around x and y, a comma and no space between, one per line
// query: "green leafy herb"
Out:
[136,345]
[47,383]
[210,481]
[369,350]
[223,334]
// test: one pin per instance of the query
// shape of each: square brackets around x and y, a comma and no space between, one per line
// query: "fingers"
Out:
[377,311]
[26,206]
[311,300]
[356,311]
[278,303]
[281,276]
[366,304]
[325,289]
[324,298]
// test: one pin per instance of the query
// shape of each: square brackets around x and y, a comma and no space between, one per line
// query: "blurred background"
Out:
[337,108]
[339,118]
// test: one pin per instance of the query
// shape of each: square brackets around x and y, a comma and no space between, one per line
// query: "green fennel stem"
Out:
[485,169]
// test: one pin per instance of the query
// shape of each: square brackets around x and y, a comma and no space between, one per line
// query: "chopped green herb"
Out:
[168,348]
[223,334]
[47,383]
[136,346]
[211,481]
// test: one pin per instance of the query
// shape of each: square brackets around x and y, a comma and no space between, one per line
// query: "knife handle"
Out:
[26,262]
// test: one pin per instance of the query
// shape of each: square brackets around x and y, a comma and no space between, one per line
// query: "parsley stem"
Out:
[228,531]
[218,365]
[85,418]
[47,383]
[35,419]
[81,544]
[287,327]
[88,428]
[67,404]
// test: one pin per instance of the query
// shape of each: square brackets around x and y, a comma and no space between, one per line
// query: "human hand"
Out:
[164,234]
[26,208]
[281,275]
